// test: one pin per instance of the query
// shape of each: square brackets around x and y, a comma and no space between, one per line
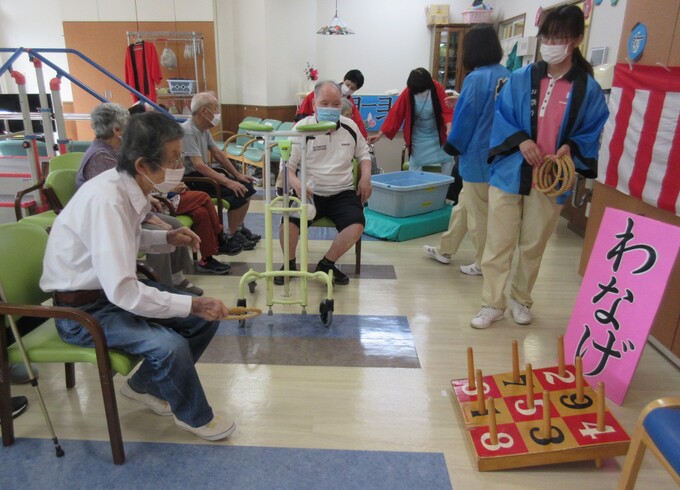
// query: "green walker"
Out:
[286,205]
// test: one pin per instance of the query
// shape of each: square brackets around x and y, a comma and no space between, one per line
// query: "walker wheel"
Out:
[326,312]
[251,286]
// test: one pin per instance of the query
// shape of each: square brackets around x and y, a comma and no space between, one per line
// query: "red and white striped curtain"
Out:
[640,153]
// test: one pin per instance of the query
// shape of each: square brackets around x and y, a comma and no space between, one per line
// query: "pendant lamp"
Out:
[337,27]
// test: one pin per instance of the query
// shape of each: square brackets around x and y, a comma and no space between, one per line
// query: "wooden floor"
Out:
[387,409]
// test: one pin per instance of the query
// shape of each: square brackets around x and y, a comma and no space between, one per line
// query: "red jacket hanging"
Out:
[142,69]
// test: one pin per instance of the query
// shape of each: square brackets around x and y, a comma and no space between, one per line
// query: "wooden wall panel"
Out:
[660,19]
[71,128]
[105,43]
[674,59]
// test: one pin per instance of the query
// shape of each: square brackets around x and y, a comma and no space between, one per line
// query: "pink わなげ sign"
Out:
[624,283]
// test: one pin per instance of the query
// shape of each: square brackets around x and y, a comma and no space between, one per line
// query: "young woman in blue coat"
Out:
[547,110]
[469,137]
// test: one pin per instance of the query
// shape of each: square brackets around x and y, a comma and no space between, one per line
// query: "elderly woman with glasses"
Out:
[89,264]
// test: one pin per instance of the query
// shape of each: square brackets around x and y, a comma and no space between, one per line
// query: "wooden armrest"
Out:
[168,204]
[149,272]
[217,135]
[85,319]
[19,196]
[233,138]
[250,143]
[52,199]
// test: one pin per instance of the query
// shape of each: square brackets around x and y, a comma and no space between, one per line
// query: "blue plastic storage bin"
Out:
[408,193]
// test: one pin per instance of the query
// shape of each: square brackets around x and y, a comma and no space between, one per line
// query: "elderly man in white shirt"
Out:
[329,161]
[90,263]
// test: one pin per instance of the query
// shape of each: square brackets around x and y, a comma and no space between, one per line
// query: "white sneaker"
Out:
[218,428]
[486,316]
[471,270]
[161,407]
[432,252]
[520,313]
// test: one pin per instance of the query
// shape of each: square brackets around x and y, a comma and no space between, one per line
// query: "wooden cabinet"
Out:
[447,55]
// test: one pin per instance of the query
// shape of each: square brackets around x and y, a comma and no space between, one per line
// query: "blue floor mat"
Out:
[31,463]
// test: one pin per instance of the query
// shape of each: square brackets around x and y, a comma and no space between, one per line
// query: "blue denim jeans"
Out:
[170,348]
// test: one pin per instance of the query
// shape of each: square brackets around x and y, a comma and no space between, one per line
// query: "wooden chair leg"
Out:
[112,420]
[357,258]
[70,374]
[631,466]
[7,424]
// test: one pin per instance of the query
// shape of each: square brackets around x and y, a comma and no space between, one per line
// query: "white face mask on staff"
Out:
[554,53]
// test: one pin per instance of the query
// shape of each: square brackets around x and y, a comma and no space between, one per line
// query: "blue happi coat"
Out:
[515,121]
[472,120]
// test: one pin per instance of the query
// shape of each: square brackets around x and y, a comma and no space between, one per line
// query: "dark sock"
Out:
[292,265]
[327,262]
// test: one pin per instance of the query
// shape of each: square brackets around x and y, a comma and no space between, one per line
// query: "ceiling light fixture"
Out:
[337,27]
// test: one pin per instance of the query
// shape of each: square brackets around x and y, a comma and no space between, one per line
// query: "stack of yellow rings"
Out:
[555,176]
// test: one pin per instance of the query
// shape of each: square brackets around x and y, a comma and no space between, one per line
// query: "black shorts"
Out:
[344,209]
[228,195]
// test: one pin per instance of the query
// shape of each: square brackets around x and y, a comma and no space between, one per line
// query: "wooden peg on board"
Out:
[515,362]
[481,408]
[547,424]
[560,356]
[600,407]
[529,375]
[471,369]
[493,432]
[601,426]
[579,379]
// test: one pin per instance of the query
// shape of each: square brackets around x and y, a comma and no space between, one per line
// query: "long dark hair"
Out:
[481,47]
[567,22]
[420,80]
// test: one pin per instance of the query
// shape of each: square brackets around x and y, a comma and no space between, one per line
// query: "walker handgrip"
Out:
[253,126]
[320,126]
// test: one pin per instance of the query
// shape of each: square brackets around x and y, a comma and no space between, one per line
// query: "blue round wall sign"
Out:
[637,41]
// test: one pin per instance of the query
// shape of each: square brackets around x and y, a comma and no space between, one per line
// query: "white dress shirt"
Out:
[94,243]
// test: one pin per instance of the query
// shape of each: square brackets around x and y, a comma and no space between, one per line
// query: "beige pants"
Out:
[469,214]
[525,222]
[477,205]
[458,227]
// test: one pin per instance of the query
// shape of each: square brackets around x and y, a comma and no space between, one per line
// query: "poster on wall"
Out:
[374,109]
[622,288]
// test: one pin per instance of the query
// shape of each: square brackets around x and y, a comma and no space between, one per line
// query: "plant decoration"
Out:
[312,73]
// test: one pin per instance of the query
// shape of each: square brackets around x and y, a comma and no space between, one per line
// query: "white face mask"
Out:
[554,54]
[216,119]
[346,91]
[173,177]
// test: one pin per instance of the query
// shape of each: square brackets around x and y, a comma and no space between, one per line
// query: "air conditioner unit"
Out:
[526,46]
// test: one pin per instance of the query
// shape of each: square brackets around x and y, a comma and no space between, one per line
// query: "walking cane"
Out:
[32,378]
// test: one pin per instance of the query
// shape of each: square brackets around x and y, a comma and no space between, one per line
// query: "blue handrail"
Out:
[17,52]
[35,53]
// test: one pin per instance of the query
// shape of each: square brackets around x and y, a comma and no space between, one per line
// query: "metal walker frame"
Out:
[287,205]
